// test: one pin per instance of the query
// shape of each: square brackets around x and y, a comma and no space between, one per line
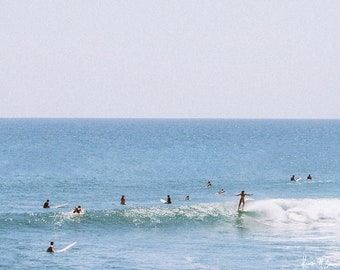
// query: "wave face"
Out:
[287,214]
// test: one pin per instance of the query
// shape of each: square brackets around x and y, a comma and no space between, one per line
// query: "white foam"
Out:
[317,213]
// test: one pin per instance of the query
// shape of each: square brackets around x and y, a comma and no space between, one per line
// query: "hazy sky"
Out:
[170,59]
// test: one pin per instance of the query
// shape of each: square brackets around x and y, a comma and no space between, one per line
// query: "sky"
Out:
[170,59]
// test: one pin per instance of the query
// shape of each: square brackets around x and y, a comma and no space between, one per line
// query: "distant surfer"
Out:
[292,178]
[51,247]
[168,200]
[309,177]
[47,204]
[187,198]
[77,210]
[122,200]
[222,191]
[208,184]
[243,195]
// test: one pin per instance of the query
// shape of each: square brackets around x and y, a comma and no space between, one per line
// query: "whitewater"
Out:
[93,162]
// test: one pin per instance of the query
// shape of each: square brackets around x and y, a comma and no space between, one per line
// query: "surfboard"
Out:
[59,206]
[163,201]
[298,179]
[66,248]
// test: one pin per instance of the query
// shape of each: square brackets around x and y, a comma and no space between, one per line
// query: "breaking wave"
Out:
[276,213]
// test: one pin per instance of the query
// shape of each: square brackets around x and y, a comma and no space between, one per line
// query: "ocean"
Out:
[93,162]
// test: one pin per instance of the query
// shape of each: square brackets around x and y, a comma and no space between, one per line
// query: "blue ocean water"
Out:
[93,162]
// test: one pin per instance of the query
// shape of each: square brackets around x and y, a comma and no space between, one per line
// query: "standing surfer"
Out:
[243,195]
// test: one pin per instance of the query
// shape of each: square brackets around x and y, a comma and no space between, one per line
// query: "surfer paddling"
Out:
[243,195]
[51,247]
[78,210]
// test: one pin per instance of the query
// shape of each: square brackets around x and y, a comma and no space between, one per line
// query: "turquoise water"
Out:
[93,162]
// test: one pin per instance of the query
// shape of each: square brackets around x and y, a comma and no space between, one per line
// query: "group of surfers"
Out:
[78,209]
[243,194]
[309,177]
[208,185]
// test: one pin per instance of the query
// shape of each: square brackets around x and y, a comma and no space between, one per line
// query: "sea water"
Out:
[93,162]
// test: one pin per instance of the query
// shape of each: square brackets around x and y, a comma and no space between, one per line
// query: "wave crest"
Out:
[279,213]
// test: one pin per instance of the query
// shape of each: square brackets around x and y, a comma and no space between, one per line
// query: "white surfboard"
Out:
[164,201]
[59,206]
[66,248]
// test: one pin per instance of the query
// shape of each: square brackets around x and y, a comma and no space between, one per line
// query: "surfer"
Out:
[51,247]
[292,178]
[221,191]
[309,177]
[77,210]
[122,200]
[168,200]
[243,195]
[47,204]
[208,184]
[187,198]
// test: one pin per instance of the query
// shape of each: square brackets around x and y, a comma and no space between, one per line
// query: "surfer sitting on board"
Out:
[168,200]
[47,204]
[243,195]
[122,200]
[208,184]
[292,178]
[51,247]
[309,177]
